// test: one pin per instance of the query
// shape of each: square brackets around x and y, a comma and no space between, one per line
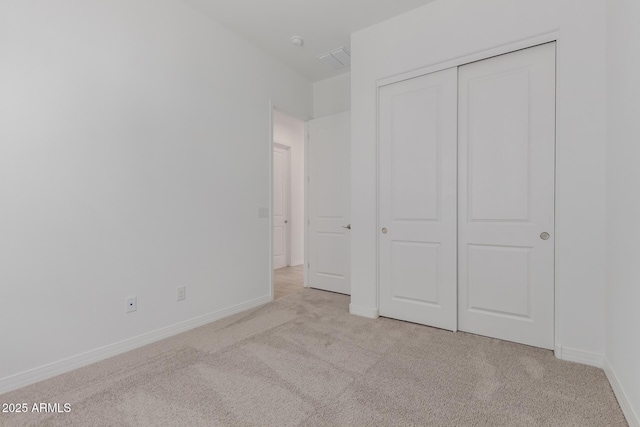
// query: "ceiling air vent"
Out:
[337,58]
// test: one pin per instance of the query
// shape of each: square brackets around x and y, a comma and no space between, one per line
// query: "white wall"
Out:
[445,30]
[134,153]
[623,200]
[332,96]
[289,131]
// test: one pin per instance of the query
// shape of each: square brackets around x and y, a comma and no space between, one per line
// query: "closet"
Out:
[466,197]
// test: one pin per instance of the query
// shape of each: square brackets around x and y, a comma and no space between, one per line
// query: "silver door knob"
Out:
[348,226]
[545,236]
[286,221]
[384,230]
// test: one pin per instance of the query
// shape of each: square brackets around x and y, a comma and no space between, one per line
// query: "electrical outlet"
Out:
[182,293]
[263,212]
[132,304]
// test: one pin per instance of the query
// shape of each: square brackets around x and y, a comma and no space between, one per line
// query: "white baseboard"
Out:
[371,313]
[41,373]
[297,263]
[557,351]
[632,416]
[579,356]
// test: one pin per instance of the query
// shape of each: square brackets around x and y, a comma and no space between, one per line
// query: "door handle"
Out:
[348,226]
[286,221]
[545,236]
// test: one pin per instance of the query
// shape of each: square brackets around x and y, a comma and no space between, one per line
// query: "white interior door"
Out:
[329,193]
[506,196]
[417,199]
[281,205]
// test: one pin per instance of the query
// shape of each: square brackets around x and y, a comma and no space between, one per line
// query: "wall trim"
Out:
[281,143]
[306,205]
[371,313]
[632,417]
[51,370]
[272,289]
[579,356]
[557,351]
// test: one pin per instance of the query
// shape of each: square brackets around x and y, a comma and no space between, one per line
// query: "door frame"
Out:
[550,37]
[270,140]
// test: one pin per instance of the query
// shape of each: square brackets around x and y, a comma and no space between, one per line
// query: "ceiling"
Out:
[324,24]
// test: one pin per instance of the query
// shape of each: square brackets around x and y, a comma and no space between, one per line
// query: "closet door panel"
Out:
[506,196]
[417,199]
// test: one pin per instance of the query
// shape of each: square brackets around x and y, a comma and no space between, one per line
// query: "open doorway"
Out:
[288,234]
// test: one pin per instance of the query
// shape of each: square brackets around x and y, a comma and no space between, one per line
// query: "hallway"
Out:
[288,280]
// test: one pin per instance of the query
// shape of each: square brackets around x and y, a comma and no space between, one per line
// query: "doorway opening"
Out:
[288,204]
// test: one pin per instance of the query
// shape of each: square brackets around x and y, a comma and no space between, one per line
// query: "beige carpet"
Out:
[303,360]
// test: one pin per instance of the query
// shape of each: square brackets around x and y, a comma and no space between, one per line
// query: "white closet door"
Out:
[417,199]
[506,196]
[329,202]
[281,206]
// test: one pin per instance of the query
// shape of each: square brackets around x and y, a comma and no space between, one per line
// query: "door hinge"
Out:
[308,265]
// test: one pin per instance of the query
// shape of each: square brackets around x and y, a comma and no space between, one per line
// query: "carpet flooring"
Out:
[304,361]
